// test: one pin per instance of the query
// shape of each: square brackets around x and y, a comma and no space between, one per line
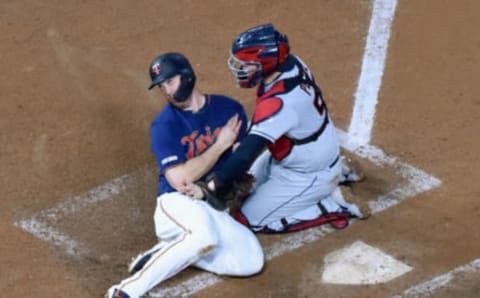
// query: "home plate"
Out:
[361,264]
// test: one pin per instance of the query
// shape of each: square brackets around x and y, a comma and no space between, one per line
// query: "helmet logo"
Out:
[156,68]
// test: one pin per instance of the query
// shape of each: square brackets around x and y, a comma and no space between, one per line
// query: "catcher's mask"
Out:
[256,53]
[169,65]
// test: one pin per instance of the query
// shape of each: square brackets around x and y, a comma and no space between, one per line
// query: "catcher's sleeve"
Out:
[240,161]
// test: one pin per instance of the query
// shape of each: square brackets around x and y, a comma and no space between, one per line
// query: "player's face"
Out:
[169,87]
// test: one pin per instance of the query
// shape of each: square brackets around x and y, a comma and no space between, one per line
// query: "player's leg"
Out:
[189,234]
[138,262]
[287,193]
[238,253]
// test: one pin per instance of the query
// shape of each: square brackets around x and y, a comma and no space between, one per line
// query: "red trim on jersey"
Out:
[266,108]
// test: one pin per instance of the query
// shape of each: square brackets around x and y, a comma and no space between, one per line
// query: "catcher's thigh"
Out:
[287,192]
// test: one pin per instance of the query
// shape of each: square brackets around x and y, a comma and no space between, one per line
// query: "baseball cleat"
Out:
[116,293]
[352,203]
[138,262]
[351,172]
[357,206]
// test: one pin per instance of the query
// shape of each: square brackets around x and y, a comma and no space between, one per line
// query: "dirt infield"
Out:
[78,171]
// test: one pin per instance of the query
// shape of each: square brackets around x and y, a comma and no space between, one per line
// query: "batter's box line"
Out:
[428,288]
[41,224]
[418,181]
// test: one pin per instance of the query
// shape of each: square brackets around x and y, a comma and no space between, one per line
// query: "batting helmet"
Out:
[169,65]
[256,53]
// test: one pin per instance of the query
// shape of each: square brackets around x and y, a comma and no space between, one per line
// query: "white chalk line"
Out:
[371,73]
[38,226]
[429,287]
[47,233]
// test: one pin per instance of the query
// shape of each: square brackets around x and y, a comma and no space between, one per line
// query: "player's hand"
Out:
[229,132]
[192,190]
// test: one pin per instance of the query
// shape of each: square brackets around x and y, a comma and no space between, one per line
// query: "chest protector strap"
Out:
[285,86]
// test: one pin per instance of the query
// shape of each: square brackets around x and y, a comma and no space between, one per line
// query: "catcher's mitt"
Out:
[226,196]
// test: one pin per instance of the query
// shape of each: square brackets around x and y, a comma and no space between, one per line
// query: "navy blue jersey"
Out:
[177,135]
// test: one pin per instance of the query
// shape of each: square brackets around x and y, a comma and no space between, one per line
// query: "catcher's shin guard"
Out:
[351,172]
[337,220]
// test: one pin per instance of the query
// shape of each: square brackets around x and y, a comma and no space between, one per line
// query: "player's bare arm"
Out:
[186,173]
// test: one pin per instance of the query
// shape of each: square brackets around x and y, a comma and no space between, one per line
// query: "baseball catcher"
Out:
[292,148]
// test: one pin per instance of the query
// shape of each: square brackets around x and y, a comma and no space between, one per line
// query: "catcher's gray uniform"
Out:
[293,178]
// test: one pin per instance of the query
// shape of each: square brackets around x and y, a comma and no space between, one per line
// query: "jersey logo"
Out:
[266,109]
[197,143]
[156,68]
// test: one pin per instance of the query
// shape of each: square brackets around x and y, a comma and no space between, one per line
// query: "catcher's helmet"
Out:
[169,65]
[256,53]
